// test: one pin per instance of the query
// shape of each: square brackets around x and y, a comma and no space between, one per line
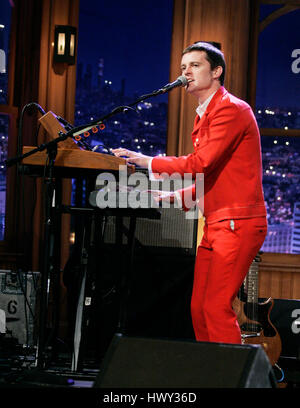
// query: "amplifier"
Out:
[176,230]
[18,300]
[173,231]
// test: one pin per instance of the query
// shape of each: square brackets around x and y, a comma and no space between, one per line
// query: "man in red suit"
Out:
[227,151]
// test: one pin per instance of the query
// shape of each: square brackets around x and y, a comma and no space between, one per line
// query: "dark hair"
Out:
[214,55]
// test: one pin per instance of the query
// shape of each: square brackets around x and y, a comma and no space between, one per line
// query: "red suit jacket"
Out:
[227,150]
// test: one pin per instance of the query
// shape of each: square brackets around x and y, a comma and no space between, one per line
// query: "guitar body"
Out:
[256,327]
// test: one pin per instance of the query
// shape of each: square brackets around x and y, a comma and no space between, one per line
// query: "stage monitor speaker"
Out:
[135,362]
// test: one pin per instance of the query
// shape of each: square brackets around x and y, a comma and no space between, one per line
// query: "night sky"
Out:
[277,85]
[133,38]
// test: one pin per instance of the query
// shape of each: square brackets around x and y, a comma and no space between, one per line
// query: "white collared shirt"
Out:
[202,106]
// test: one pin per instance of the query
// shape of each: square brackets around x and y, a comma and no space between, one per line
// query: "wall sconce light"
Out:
[65,44]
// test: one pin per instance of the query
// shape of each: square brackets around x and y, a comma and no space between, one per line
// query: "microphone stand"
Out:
[48,266]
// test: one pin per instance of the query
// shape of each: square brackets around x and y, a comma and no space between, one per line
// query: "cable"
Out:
[282,373]
[27,106]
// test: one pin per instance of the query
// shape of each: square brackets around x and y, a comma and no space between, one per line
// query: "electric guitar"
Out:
[254,317]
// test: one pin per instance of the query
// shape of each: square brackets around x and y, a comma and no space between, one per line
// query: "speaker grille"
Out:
[172,230]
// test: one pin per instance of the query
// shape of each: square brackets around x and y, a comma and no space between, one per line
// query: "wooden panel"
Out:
[286,281]
[264,284]
[296,287]
[279,276]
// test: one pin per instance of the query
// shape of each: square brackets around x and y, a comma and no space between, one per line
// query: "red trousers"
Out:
[223,259]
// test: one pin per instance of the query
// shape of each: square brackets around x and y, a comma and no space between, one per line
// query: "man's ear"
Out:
[217,72]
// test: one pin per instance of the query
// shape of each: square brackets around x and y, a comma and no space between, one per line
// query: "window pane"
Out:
[4,123]
[124,53]
[5,14]
[278,73]
[281,183]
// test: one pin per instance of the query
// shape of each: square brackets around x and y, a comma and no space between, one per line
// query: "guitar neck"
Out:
[252,282]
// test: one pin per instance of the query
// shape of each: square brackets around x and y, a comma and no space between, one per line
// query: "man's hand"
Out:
[138,159]
[160,196]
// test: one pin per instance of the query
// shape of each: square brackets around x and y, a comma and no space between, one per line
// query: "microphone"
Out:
[180,81]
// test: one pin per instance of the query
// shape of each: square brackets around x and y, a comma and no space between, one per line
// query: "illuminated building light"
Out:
[138,147]
[273,172]
[269,112]
[122,141]
[278,198]
[136,140]
[285,128]
[72,238]
[259,111]
[289,113]
[271,167]
[275,142]
[287,143]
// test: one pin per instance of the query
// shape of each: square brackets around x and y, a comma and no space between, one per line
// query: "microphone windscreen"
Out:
[183,80]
